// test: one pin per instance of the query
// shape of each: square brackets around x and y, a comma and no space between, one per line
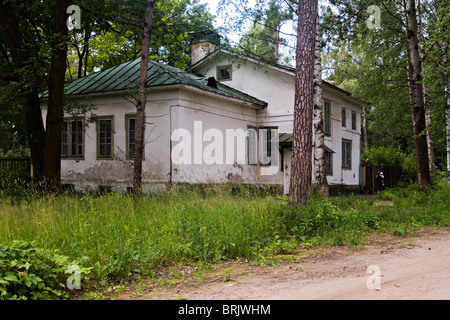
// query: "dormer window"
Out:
[224,73]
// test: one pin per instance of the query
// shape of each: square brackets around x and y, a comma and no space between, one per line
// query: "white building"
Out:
[275,84]
[199,130]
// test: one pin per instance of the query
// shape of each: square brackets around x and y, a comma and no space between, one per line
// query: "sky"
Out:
[213,5]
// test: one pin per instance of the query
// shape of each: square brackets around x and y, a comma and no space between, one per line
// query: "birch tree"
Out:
[321,185]
[426,95]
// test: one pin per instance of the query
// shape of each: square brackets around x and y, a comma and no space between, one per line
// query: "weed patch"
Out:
[117,238]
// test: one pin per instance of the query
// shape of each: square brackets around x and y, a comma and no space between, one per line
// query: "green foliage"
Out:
[390,157]
[116,236]
[30,272]
[263,39]
[371,63]
[15,182]
[322,221]
[114,34]
[13,179]
[383,156]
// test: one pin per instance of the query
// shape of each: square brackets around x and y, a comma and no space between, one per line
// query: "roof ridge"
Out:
[125,76]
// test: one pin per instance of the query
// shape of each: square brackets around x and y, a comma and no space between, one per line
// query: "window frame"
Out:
[327,118]
[99,119]
[127,135]
[329,164]
[258,148]
[344,117]
[250,145]
[267,144]
[69,143]
[346,163]
[230,72]
[66,139]
[354,120]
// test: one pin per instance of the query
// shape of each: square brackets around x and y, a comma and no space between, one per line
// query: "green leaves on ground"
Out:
[30,272]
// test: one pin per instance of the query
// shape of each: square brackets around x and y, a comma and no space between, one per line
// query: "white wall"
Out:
[88,172]
[166,110]
[276,86]
[334,141]
[173,108]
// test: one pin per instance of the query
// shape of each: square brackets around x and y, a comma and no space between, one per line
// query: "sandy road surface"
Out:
[413,268]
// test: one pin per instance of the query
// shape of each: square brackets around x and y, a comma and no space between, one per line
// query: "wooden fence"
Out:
[18,166]
[392,176]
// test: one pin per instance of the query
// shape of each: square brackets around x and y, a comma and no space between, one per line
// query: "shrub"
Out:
[321,219]
[29,272]
[391,157]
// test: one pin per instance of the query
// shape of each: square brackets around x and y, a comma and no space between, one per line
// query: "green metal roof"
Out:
[126,77]
[286,139]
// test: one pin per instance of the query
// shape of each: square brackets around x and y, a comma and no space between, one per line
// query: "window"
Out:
[328,163]
[64,140]
[262,145]
[346,154]
[131,135]
[327,118]
[105,138]
[72,139]
[265,136]
[224,72]
[252,145]
[353,120]
[344,117]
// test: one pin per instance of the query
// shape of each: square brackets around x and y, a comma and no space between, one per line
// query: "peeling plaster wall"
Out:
[166,110]
[90,172]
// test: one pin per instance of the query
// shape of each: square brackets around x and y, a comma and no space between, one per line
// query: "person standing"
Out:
[380,182]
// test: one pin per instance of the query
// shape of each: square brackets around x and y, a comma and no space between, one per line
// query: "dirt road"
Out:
[412,268]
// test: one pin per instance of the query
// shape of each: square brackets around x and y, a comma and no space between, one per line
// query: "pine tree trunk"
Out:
[321,185]
[301,170]
[418,109]
[140,107]
[55,111]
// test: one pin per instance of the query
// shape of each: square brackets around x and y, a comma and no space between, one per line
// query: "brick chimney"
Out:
[202,44]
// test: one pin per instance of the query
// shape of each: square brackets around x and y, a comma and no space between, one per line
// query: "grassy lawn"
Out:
[116,237]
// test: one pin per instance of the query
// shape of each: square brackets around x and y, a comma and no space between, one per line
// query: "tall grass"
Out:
[116,236]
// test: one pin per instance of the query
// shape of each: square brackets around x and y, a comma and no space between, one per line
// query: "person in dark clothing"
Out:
[380,182]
